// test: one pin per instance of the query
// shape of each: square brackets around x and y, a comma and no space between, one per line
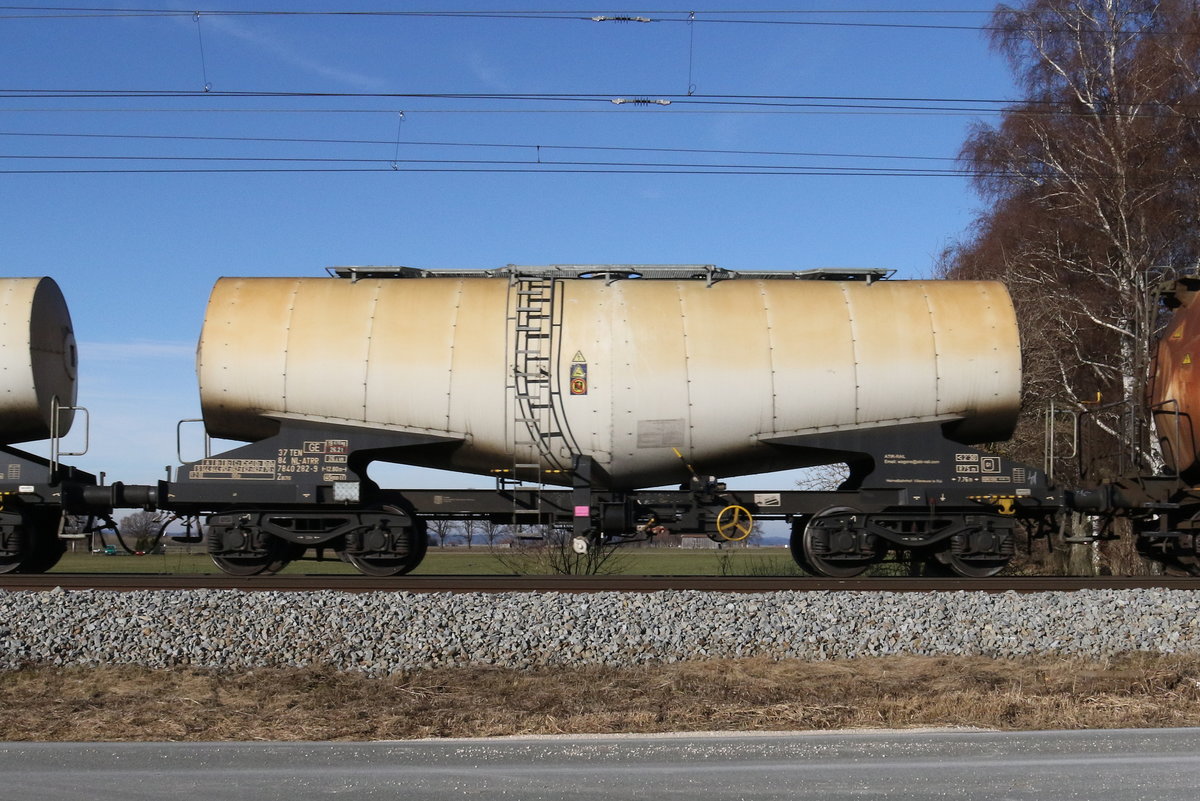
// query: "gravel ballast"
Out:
[382,633]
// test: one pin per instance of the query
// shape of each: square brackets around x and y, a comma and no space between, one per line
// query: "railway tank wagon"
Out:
[525,374]
[605,380]
[38,364]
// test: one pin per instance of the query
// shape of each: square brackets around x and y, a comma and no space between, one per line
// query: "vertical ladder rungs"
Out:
[532,323]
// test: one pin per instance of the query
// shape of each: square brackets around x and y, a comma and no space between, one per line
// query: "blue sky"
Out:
[136,253]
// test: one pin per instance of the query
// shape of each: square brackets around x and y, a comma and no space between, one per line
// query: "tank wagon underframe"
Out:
[911,492]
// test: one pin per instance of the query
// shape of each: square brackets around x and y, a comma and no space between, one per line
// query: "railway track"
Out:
[462,584]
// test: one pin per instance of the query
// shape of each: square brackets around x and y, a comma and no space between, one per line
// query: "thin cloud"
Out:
[288,54]
[490,75]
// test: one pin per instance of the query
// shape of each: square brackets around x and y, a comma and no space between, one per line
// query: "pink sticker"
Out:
[582,511]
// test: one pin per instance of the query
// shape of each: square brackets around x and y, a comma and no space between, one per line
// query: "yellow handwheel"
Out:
[735,523]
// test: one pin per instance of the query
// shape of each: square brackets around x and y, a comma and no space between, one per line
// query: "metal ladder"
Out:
[58,431]
[536,431]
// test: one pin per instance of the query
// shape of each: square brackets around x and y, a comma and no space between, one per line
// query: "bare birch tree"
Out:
[1093,185]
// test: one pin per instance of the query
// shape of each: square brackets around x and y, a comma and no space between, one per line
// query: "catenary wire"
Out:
[391,111]
[616,102]
[489,162]
[702,16]
[421,143]
[824,172]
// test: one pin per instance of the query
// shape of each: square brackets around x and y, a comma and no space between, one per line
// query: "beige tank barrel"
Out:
[535,370]
[37,359]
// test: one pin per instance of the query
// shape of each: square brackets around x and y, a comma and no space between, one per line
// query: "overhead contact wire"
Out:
[427,143]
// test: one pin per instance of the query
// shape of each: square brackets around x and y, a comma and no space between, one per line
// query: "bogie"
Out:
[836,543]
[378,542]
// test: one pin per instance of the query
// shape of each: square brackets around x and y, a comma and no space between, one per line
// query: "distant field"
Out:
[469,561]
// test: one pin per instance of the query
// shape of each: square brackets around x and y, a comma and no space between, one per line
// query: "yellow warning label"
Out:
[1178,333]
[1187,358]
[579,384]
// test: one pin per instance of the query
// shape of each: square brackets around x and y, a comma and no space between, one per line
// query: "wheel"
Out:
[380,565]
[834,544]
[977,553]
[46,552]
[251,565]
[12,562]
[386,564]
[14,542]
[796,545]
[274,557]
[972,568]
[31,541]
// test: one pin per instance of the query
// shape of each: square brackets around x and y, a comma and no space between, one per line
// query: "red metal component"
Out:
[1175,379]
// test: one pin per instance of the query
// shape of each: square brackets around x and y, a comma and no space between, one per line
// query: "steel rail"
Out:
[580,584]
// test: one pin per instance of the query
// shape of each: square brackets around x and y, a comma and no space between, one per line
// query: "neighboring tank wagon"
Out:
[38,360]
[38,363]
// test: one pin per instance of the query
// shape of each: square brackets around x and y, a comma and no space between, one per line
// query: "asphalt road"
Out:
[1163,765]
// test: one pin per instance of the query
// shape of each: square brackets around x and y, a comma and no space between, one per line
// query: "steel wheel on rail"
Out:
[386,563]
[14,544]
[796,545]
[977,552]
[29,540]
[971,568]
[250,565]
[47,550]
[836,544]
[270,557]
[380,566]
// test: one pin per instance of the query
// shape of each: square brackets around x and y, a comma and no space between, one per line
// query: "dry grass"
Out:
[46,704]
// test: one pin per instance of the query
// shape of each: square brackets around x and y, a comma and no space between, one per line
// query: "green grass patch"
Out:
[462,562]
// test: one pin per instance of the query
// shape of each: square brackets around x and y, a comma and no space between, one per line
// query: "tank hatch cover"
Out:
[614,272]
